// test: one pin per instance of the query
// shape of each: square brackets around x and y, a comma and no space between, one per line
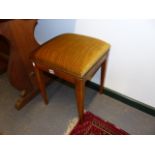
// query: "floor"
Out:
[38,118]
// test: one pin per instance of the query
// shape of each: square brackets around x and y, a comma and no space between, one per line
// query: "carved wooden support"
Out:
[20,35]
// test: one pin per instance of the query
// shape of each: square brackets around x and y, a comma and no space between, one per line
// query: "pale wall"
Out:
[48,28]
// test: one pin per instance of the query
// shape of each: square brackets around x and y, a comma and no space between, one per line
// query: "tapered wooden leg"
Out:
[80,92]
[103,72]
[41,84]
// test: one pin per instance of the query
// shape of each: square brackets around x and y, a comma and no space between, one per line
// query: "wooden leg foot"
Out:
[24,99]
[80,92]
[41,84]
[103,72]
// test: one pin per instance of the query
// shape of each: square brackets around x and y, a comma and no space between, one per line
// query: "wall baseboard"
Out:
[125,99]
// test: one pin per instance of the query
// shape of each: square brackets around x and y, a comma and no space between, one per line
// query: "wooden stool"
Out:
[74,58]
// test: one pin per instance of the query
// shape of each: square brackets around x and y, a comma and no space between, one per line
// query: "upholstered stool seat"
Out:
[72,57]
[71,53]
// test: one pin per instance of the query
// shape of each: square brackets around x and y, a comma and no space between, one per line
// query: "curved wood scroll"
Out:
[20,34]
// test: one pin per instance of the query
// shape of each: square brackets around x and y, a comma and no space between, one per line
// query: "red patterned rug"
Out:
[93,125]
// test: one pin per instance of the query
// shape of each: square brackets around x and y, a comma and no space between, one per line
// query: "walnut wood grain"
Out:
[20,35]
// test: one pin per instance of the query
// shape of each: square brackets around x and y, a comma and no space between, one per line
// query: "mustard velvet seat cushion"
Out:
[72,53]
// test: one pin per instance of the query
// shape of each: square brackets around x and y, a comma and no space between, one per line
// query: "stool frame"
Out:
[79,82]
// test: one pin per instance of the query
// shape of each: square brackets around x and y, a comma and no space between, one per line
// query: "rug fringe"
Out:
[72,123]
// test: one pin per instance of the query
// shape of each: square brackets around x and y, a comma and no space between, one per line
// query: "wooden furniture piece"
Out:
[19,37]
[74,58]
[4,54]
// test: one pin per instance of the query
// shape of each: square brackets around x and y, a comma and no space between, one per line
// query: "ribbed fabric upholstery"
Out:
[73,53]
